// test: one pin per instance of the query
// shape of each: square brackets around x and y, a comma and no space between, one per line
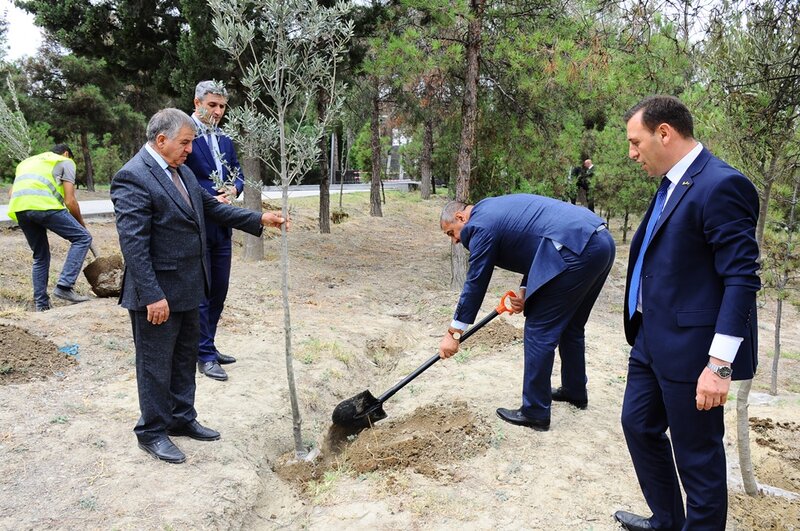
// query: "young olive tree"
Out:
[287,52]
[15,139]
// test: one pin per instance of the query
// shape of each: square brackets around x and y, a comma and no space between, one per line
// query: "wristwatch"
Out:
[456,333]
[723,371]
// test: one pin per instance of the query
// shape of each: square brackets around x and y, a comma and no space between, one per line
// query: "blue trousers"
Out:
[652,404]
[556,315]
[35,224]
[218,241]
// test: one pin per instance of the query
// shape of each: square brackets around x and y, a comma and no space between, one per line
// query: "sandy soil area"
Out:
[368,305]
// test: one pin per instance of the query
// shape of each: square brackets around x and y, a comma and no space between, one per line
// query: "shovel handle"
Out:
[422,368]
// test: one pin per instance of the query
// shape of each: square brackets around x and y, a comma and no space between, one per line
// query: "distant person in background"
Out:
[564,254]
[215,165]
[585,184]
[42,199]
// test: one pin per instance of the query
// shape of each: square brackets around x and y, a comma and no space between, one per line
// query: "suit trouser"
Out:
[219,254]
[556,315]
[165,371]
[652,404]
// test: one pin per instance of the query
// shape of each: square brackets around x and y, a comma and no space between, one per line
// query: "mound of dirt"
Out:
[425,441]
[496,334]
[25,357]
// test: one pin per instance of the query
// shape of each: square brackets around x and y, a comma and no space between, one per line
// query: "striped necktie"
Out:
[636,276]
[176,179]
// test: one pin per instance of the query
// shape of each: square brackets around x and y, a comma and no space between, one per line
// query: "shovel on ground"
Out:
[363,410]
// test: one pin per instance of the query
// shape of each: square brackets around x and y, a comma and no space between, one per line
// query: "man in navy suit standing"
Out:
[213,161]
[690,317]
[564,254]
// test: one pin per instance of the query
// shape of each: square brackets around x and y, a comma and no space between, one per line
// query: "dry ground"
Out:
[368,305]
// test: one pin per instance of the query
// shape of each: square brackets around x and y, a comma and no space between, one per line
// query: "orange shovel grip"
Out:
[502,307]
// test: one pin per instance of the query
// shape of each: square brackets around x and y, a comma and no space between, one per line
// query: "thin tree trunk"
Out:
[87,161]
[324,167]
[743,438]
[426,162]
[469,113]
[375,188]
[783,282]
[625,219]
[773,387]
[297,421]
[253,245]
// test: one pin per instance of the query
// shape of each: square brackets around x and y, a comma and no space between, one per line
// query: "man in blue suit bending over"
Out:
[690,317]
[213,161]
[564,254]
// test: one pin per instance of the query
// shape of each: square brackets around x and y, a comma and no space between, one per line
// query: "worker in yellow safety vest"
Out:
[42,199]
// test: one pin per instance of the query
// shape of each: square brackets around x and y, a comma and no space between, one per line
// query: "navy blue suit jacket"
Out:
[516,232]
[699,275]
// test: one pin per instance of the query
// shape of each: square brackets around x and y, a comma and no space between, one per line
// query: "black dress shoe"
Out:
[632,522]
[195,430]
[560,396]
[163,449]
[212,370]
[223,359]
[515,416]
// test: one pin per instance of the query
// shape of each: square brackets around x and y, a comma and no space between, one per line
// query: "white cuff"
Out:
[725,347]
[458,325]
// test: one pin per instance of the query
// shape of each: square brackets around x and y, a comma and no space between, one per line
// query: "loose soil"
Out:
[368,304]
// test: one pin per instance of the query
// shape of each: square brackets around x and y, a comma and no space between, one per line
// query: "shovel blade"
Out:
[359,412]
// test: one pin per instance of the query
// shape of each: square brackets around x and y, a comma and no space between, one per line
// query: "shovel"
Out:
[363,410]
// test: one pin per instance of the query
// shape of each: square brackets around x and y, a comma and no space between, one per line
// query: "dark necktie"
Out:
[176,179]
[636,276]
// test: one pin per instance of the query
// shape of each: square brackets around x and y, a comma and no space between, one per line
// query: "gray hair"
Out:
[449,211]
[210,87]
[168,122]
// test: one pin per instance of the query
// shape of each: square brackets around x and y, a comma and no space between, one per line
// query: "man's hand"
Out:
[222,198]
[158,312]
[712,391]
[274,219]
[517,303]
[448,346]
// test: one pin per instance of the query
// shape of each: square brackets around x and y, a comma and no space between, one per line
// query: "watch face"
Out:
[456,336]
[724,372]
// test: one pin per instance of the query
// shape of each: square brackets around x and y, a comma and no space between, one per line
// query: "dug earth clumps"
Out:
[428,441]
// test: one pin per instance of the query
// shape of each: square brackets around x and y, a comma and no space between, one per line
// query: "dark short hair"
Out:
[659,110]
[60,149]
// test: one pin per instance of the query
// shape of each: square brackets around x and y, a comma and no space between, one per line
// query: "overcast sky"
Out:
[24,37]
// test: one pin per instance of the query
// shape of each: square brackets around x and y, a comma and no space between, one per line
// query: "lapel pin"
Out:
[685,183]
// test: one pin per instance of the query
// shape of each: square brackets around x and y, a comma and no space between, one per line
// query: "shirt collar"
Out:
[158,158]
[674,175]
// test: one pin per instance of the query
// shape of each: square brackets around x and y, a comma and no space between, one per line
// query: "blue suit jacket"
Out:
[163,241]
[516,233]
[699,275]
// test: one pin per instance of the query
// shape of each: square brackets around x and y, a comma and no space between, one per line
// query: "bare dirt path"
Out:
[368,305]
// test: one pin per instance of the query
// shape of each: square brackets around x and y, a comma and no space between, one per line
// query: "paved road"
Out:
[104,207]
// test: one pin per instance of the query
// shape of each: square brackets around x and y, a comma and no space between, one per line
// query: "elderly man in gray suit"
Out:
[161,213]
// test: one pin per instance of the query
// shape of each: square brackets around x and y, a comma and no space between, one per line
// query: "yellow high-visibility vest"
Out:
[34,187]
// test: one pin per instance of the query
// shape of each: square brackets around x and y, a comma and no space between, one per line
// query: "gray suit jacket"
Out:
[163,241]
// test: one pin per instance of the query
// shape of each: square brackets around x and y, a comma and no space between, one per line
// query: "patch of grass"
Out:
[790,355]
[314,349]
[89,503]
[463,355]
[321,489]
[498,436]
[61,419]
